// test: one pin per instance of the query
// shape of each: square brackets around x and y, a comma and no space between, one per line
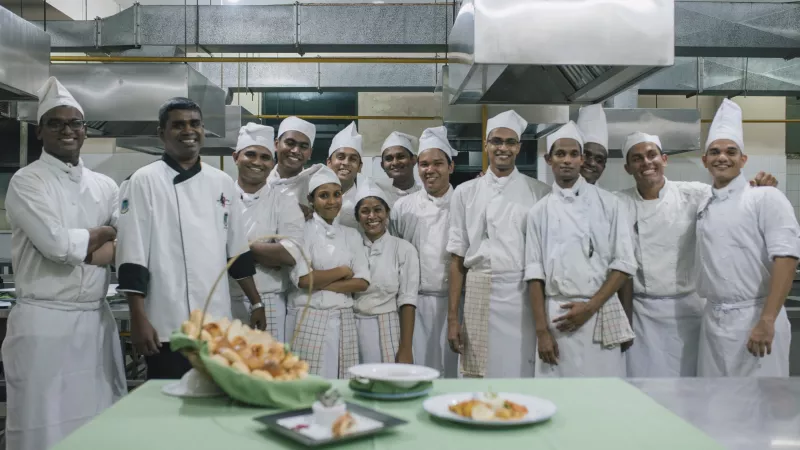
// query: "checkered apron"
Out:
[612,327]
[348,342]
[274,309]
[476,324]
[389,329]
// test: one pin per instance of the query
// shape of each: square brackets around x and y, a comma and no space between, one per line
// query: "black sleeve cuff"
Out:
[133,277]
[244,266]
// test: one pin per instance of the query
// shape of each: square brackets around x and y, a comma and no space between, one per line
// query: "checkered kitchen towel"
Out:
[476,324]
[612,327]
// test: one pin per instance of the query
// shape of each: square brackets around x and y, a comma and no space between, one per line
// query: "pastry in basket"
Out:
[489,408]
[254,352]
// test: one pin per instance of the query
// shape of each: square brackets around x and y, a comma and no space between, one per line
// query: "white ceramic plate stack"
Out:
[404,376]
[539,409]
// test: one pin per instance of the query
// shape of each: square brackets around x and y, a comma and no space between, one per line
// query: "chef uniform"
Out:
[350,138]
[487,229]
[394,282]
[575,237]
[177,229]
[266,213]
[740,230]
[424,221]
[296,186]
[62,355]
[327,337]
[667,311]
[398,139]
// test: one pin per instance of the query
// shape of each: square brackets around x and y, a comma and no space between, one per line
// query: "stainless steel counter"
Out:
[740,413]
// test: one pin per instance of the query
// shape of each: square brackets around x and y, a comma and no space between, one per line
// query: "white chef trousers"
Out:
[723,342]
[512,335]
[579,355]
[62,368]
[329,360]
[429,343]
[667,336]
[274,310]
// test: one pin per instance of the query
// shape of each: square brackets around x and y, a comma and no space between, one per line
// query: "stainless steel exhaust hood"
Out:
[122,100]
[556,52]
[24,58]
[235,117]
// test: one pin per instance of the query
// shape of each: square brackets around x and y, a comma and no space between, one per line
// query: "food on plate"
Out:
[489,408]
[254,352]
[343,425]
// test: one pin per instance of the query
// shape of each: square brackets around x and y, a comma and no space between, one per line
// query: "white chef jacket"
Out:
[296,186]
[50,206]
[424,220]
[394,194]
[177,229]
[269,212]
[575,236]
[740,230]
[664,238]
[394,276]
[328,247]
[488,221]
[347,216]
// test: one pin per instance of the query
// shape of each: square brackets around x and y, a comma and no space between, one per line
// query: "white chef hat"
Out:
[255,134]
[369,189]
[323,176]
[348,137]
[593,125]
[509,119]
[567,131]
[638,138]
[399,139]
[53,94]
[436,137]
[727,124]
[297,124]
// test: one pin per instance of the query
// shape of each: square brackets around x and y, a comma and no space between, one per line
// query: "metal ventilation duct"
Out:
[556,52]
[24,58]
[235,118]
[465,121]
[121,100]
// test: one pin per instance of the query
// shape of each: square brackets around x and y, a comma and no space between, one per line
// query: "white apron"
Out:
[430,344]
[667,335]
[579,354]
[274,309]
[63,367]
[500,340]
[327,339]
[378,337]
[723,342]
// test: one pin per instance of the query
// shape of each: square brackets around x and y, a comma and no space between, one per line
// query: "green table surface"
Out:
[592,414]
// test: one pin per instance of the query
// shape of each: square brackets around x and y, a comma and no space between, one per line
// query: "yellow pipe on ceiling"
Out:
[318,117]
[761,121]
[248,59]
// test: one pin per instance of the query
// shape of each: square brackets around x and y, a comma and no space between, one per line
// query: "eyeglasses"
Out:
[56,125]
[497,142]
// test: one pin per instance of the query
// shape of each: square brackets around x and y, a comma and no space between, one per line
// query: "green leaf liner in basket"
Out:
[244,387]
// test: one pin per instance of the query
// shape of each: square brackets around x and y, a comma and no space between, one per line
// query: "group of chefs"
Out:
[503,277]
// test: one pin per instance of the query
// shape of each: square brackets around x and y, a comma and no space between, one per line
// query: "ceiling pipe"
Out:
[246,59]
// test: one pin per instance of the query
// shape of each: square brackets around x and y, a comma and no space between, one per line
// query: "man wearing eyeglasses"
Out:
[293,148]
[180,222]
[487,246]
[62,345]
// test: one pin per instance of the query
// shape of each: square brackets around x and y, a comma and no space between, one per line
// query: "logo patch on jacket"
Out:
[223,201]
[124,206]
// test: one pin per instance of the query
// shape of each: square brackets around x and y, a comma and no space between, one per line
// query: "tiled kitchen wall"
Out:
[793,182]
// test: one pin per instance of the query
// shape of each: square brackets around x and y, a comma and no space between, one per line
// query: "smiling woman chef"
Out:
[266,212]
[180,221]
[327,336]
[383,335]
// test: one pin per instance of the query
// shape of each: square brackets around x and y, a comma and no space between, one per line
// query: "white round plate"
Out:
[401,375]
[400,396]
[539,409]
[177,389]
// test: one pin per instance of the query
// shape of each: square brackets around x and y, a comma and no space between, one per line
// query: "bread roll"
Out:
[262,374]
[241,367]
[343,425]
[289,361]
[231,355]
[219,359]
